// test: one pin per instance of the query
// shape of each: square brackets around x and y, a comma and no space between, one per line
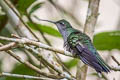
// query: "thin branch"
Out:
[36,54]
[81,72]
[115,68]
[31,66]
[13,44]
[104,76]
[38,44]
[14,10]
[92,15]
[31,58]
[64,67]
[89,26]
[8,46]
[39,56]
[4,74]
[115,60]
[45,39]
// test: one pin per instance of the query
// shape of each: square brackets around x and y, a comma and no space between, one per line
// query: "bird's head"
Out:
[63,26]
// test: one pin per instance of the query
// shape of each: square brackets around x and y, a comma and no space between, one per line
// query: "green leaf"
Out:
[5,32]
[3,20]
[71,63]
[35,7]
[46,29]
[21,69]
[107,40]
[23,5]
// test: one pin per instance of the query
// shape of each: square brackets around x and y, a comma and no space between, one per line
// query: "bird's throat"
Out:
[65,33]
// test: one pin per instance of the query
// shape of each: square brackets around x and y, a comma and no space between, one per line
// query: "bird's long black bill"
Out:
[44,20]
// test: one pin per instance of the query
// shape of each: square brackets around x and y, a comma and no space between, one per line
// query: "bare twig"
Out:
[13,9]
[115,60]
[38,44]
[8,46]
[115,68]
[92,15]
[45,39]
[31,66]
[83,69]
[89,27]
[4,74]
[39,56]
[104,76]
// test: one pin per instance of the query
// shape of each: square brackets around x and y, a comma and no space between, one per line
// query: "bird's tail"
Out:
[105,67]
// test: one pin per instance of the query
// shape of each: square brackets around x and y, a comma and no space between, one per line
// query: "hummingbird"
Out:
[80,45]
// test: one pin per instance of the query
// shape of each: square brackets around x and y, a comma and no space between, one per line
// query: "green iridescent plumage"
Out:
[82,39]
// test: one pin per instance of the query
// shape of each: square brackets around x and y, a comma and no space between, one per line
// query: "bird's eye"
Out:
[62,23]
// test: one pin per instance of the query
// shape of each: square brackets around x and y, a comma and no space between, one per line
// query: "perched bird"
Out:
[80,45]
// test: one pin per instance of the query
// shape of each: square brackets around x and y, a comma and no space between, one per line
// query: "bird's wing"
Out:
[87,56]
[91,59]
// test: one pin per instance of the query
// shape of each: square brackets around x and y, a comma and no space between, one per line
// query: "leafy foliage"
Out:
[107,40]
[71,63]
[46,29]
[23,5]
[3,19]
